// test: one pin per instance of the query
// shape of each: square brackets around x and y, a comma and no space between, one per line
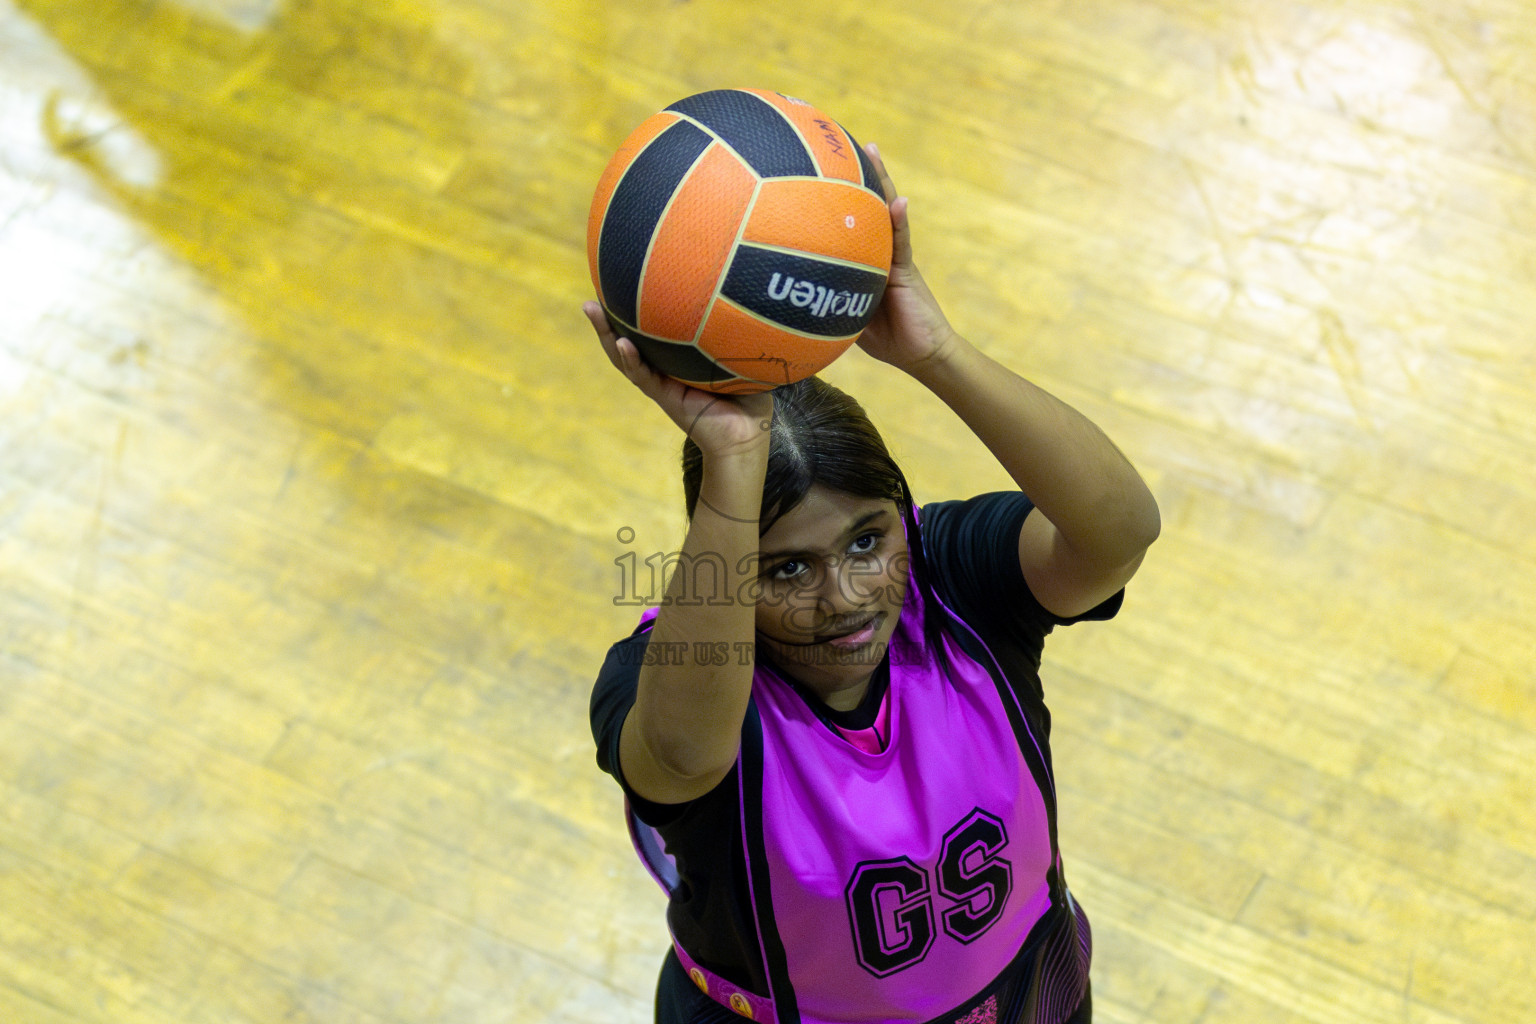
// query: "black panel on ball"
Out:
[673,358]
[635,209]
[753,128]
[832,300]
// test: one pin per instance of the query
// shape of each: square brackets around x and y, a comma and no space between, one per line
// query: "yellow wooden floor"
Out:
[314,486]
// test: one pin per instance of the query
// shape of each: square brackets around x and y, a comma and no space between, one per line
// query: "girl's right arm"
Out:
[682,735]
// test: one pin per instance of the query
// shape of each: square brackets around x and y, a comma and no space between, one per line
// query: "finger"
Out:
[625,356]
[901,233]
[901,230]
[605,335]
[621,352]
[886,184]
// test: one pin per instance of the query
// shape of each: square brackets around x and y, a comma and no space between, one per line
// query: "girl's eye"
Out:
[865,544]
[787,570]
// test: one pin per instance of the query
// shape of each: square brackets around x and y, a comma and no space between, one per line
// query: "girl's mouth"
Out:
[858,636]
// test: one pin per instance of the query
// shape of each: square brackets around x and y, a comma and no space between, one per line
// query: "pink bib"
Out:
[903,880]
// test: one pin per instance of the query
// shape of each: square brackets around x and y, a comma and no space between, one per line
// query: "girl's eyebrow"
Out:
[857,526]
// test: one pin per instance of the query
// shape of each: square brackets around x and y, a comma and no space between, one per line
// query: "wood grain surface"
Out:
[316,492]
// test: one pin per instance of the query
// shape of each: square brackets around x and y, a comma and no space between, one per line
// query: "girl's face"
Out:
[833,572]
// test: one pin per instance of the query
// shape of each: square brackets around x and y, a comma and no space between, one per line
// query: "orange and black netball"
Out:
[740,239]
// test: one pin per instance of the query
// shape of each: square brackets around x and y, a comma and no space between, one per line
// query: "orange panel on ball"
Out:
[761,351]
[828,218]
[692,243]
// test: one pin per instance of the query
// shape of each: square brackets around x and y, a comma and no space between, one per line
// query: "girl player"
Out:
[843,782]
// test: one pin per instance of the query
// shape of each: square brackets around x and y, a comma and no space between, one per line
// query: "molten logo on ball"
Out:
[818,300]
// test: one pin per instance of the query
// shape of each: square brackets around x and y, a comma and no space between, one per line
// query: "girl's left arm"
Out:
[1094,516]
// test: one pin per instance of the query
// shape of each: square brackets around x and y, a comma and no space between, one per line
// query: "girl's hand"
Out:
[909,328]
[718,424]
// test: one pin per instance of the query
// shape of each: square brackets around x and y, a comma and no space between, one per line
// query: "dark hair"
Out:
[822,436]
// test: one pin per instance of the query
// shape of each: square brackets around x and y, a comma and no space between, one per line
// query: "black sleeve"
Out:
[972,551]
[612,696]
